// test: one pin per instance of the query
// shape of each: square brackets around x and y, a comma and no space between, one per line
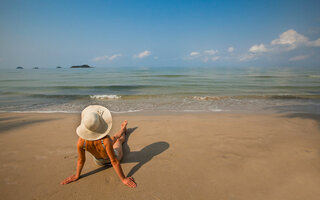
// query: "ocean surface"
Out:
[173,89]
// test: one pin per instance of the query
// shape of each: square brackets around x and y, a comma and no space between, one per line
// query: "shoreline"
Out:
[167,105]
[308,111]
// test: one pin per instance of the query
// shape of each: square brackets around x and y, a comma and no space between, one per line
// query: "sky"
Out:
[48,33]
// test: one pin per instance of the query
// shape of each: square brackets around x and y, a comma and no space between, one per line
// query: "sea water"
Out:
[172,89]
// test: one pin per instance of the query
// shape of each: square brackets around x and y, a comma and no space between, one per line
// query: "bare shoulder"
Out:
[80,143]
[107,140]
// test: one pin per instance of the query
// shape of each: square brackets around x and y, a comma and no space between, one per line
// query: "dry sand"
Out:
[173,156]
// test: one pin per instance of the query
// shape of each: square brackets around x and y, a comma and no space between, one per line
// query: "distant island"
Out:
[36,68]
[81,66]
[19,67]
[58,67]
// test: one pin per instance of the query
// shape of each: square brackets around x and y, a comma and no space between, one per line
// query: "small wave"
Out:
[164,76]
[193,111]
[109,87]
[263,76]
[17,80]
[85,96]
[100,97]
[60,96]
[11,93]
[210,98]
[76,97]
[61,111]
[284,96]
[217,110]
[275,76]
[129,111]
[314,76]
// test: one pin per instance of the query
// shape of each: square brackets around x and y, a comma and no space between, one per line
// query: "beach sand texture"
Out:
[171,156]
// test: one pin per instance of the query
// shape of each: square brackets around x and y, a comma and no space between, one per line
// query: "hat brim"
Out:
[106,118]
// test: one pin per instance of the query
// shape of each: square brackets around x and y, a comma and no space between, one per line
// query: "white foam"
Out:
[194,111]
[217,110]
[105,96]
[129,111]
[207,98]
[199,98]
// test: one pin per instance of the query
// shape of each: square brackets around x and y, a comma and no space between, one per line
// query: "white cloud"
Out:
[230,49]
[143,54]
[210,52]
[287,41]
[114,56]
[247,57]
[102,58]
[194,53]
[289,37]
[301,57]
[204,56]
[258,49]
[315,43]
[156,57]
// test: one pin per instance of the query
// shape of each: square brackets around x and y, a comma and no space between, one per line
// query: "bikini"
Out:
[102,161]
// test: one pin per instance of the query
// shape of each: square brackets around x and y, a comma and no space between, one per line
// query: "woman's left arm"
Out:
[116,164]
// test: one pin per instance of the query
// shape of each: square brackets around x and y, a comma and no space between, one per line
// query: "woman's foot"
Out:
[124,125]
[122,133]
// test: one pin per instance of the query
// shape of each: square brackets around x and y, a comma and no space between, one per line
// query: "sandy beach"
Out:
[171,156]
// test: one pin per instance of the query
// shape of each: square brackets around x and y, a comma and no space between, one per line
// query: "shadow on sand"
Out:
[307,111]
[144,155]
[8,123]
[141,157]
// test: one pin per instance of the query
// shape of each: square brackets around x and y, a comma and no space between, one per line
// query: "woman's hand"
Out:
[129,181]
[69,179]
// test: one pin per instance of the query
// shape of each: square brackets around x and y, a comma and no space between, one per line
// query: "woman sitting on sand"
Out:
[96,122]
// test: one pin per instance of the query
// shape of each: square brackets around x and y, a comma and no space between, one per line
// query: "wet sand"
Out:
[171,156]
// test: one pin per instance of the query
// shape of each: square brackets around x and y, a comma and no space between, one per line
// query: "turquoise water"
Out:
[178,89]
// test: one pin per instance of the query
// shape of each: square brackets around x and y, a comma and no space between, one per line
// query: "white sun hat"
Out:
[96,122]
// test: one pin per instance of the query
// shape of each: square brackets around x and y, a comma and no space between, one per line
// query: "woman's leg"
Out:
[121,138]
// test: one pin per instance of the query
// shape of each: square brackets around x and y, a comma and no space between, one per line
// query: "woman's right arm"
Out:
[80,163]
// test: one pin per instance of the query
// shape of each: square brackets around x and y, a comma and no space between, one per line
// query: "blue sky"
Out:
[159,33]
